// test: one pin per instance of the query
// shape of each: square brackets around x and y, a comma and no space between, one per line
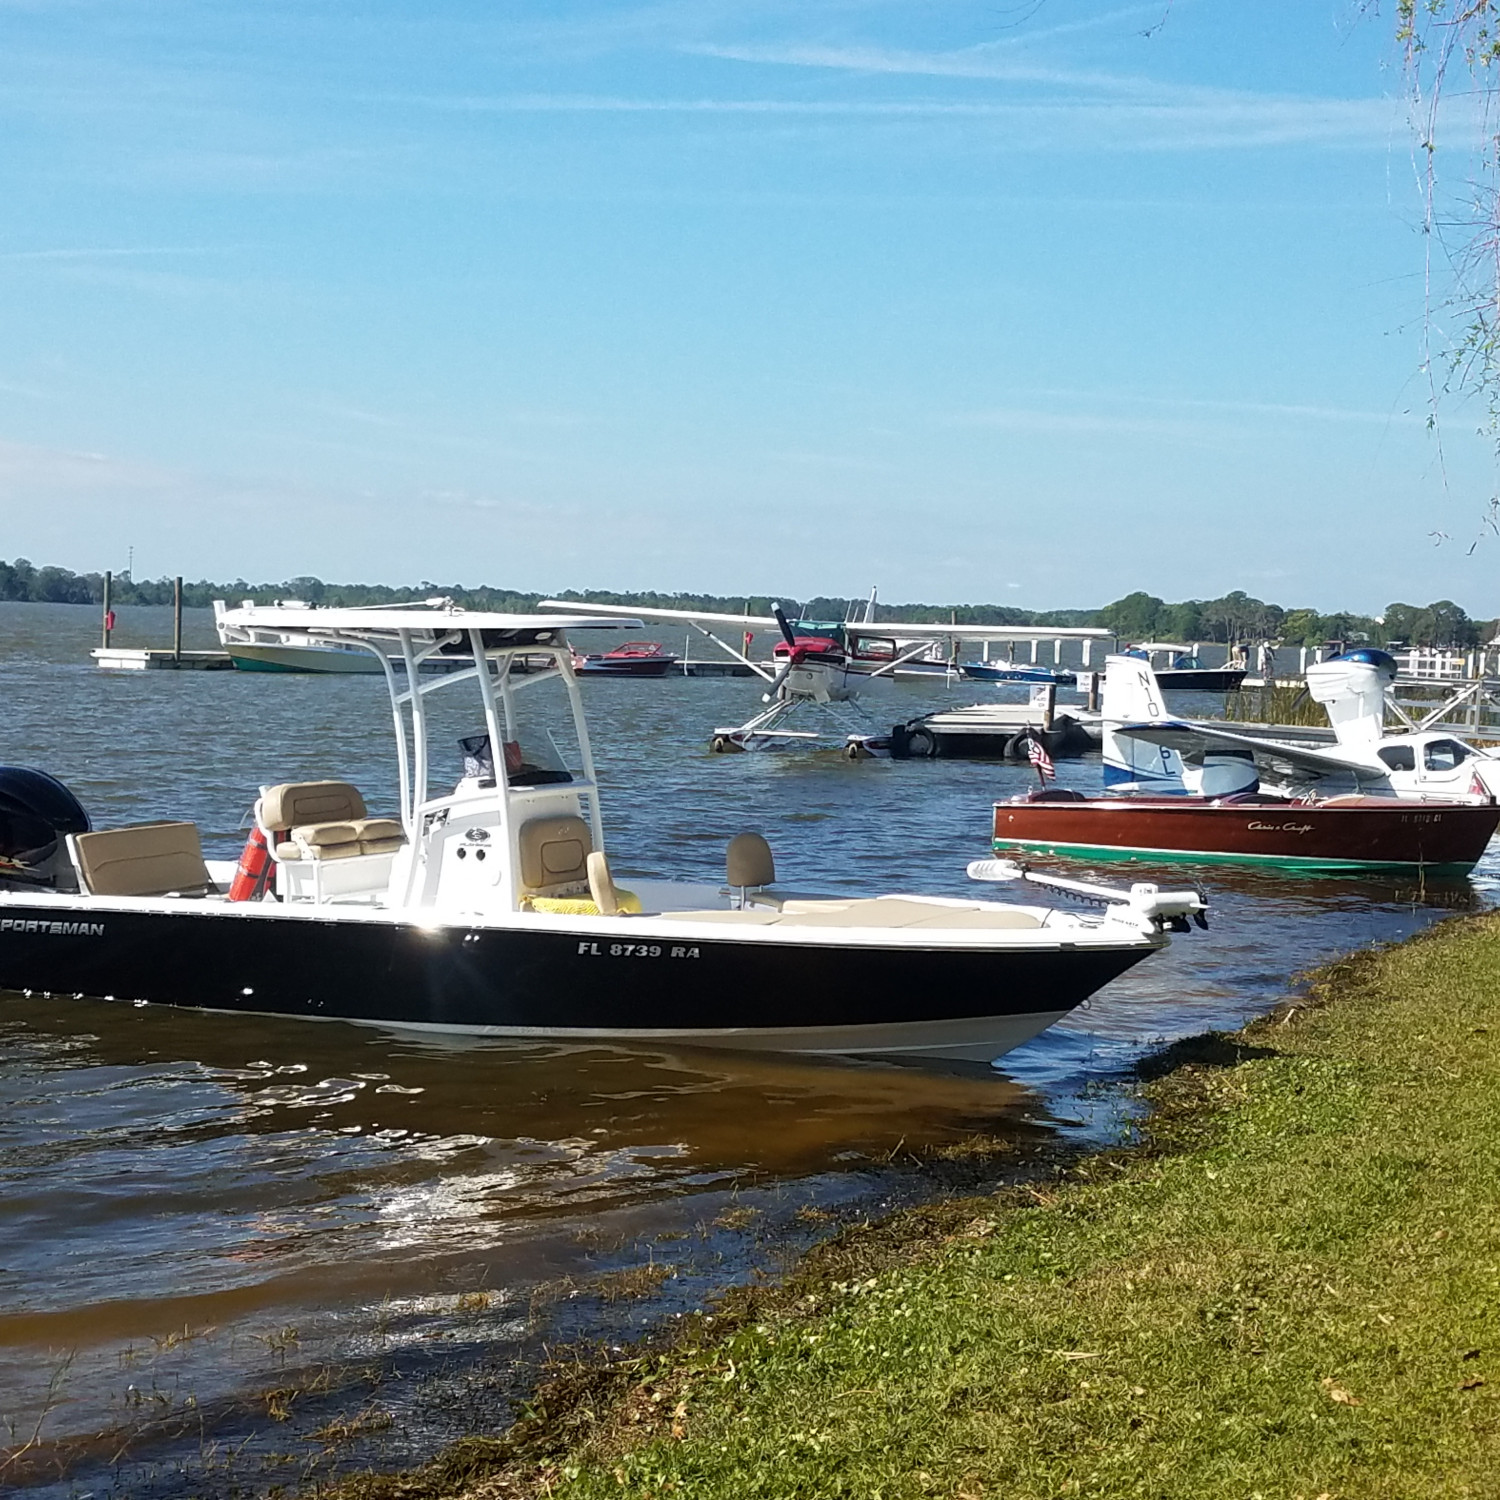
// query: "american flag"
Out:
[1037,753]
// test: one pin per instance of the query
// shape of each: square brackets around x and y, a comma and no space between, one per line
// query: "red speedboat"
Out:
[1341,833]
[633,659]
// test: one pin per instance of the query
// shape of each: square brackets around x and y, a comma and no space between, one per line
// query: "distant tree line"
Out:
[1239,617]
[1137,617]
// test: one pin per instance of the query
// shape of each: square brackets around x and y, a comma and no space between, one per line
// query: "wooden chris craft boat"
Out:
[1341,833]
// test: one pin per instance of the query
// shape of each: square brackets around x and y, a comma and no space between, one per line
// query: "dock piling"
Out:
[177,621]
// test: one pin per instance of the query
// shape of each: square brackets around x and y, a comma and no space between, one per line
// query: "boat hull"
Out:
[962,1002]
[1360,834]
[984,672]
[257,658]
[644,666]
[1201,679]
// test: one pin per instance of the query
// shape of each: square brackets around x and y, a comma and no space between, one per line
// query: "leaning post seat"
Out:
[323,820]
[142,859]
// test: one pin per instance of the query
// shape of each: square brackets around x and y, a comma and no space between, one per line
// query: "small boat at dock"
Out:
[1181,669]
[1000,671]
[633,659]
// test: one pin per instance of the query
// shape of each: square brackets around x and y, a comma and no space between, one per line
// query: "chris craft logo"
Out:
[1280,827]
[52,929]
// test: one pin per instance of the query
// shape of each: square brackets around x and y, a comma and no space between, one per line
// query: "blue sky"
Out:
[1031,302]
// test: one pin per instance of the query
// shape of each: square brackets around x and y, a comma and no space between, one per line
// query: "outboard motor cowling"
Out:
[37,812]
[1352,688]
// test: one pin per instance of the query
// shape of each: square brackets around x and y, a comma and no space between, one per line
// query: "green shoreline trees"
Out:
[1138,616]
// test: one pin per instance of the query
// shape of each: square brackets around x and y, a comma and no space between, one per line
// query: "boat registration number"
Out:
[638,950]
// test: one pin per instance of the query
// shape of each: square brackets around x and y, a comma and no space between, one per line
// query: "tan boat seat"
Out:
[554,856]
[143,859]
[296,804]
[324,820]
[748,862]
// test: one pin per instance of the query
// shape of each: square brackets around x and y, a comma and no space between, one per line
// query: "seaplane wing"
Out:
[902,629]
[936,631]
[666,616]
[1189,738]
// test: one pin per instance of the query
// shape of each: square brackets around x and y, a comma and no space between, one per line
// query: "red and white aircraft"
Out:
[819,669]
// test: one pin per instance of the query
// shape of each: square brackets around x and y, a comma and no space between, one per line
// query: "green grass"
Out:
[1292,1290]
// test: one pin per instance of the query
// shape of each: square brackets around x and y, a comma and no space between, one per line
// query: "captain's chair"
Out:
[562,872]
[554,856]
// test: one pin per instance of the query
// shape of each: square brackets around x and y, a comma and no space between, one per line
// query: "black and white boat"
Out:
[489,907]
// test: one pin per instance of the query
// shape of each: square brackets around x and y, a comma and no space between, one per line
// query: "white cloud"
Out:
[1225,122]
[1317,413]
[975,62]
[107,253]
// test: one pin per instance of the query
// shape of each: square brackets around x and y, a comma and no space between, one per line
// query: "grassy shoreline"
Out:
[1289,1290]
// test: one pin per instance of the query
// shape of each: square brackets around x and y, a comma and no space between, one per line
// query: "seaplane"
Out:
[1147,750]
[819,669]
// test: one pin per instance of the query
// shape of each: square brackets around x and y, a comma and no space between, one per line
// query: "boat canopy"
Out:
[371,622]
[491,643]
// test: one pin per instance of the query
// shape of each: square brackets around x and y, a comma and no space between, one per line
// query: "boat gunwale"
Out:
[642,927]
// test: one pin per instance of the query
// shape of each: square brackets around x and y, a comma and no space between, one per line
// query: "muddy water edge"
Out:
[239,1252]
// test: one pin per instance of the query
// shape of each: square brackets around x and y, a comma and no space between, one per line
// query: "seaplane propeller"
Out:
[796,651]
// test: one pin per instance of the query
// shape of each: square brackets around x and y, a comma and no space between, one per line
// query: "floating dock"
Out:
[150,659]
[996,731]
[724,668]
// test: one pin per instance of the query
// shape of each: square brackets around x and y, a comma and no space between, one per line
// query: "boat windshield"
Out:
[542,746]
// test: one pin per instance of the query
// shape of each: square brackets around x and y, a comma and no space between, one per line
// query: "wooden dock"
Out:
[164,659]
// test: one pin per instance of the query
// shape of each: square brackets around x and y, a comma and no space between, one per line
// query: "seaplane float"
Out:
[1190,789]
[488,905]
[821,669]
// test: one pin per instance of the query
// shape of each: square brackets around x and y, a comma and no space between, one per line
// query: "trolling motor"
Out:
[1164,911]
[37,812]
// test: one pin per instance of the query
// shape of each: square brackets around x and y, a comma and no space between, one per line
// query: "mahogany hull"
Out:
[1353,833]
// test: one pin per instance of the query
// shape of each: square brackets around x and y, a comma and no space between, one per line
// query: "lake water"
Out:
[238,1250]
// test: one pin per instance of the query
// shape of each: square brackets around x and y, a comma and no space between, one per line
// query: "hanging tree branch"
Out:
[1443,41]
